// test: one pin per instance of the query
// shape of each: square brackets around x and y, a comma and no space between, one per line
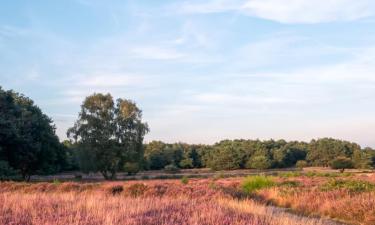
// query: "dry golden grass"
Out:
[151,202]
[310,199]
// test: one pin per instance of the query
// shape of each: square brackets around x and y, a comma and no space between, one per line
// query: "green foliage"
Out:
[27,137]
[56,181]
[109,134]
[259,162]
[171,168]
[131,168]
[323,151]
[184,180]
[289,183]
[350,185]
[253,183]
[321,174]
[301,164]
[289,174]
[341,163]
[186,163]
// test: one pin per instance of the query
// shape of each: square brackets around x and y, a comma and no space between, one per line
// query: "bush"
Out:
[259,162]
[115,190]
[171,168]
[186,163]
[136,190]
[289,183]
[56,181]
[341,163]
[253,183]
[350,185]
[301,164]
[218,176]
[184,180]
[131,168]
[289,174]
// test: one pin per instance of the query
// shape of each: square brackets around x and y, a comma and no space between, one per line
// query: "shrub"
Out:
[253,183]
[137,189]
[218,176]
[56,181]
[350,185]
[341,163]
[301,164]
[115,190]
[289,183]
[184,180]
[289,174]
[171,168]
[131,168]
[259,162]
[187,163]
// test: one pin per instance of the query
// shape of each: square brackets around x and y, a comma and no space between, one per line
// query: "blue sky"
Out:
[200,70]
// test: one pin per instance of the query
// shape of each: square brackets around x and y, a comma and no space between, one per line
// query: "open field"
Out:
[312,198]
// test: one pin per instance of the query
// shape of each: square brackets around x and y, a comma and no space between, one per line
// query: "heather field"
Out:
[287,199]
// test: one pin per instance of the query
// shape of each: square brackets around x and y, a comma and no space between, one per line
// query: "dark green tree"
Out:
[27,137]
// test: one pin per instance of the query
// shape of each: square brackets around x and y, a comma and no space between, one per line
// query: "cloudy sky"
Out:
[200,70]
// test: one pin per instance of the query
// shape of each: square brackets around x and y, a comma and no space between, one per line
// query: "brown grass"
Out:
[151,202]
[309,199]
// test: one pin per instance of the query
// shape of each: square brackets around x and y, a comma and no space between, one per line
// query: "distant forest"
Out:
[107,137]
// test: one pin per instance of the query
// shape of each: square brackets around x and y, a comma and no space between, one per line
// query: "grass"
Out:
[350,185]
[184,180]
[197,201]
[158,202]
[346,198]
[253,183]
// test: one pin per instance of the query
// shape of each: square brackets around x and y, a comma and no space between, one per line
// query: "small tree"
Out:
[341,163]
[259,162]
[301,164]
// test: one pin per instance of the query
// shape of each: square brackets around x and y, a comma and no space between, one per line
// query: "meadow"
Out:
[288,198]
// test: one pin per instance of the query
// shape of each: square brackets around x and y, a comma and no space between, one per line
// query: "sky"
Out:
[201,71]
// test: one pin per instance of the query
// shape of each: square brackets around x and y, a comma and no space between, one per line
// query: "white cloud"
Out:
[291,11]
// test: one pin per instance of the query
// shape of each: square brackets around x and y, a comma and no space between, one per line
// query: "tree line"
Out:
[108,134]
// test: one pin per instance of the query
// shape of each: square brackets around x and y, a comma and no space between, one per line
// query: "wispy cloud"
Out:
[296,11]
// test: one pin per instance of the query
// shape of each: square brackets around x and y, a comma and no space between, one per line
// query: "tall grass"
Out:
[253,183]
[158,202]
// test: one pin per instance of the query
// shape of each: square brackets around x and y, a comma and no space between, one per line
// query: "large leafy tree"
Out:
[109,134]
[27,137]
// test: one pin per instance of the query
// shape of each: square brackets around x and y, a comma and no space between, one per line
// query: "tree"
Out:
[111,134]
[259,162]
[27,137]
[341,163]
[322,151]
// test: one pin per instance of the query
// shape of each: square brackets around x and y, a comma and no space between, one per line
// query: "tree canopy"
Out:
[28,142]
[108,133]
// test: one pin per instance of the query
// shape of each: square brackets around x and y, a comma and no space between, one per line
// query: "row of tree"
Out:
[108,137]
[256,154]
